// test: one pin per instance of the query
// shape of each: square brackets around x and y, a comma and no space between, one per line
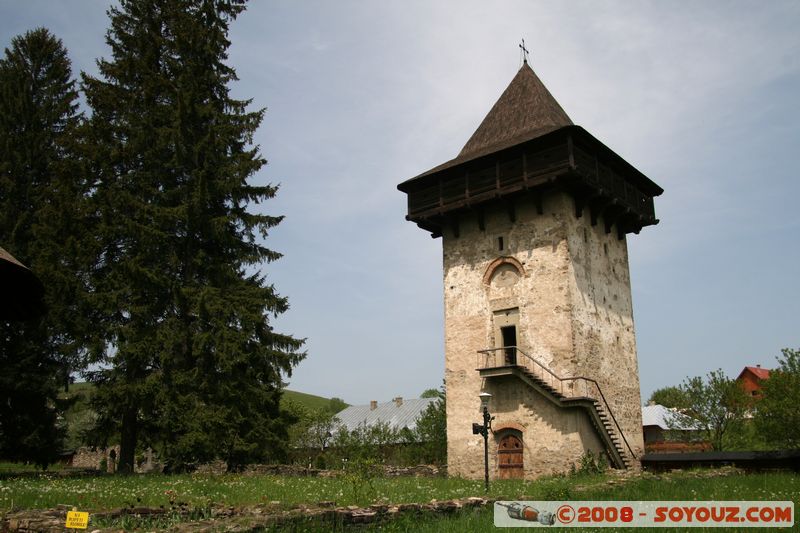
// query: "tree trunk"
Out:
[127,448]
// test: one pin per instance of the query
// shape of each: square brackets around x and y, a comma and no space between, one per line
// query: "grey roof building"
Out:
[665,418]
[657,420]
[398,413]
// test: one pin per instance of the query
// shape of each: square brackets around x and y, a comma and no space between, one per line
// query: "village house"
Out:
[751,379]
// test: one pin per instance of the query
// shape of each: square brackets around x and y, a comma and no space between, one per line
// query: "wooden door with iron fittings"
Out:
[509,455]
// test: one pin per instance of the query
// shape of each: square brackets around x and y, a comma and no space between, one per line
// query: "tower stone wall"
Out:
[565,286]
[604,339]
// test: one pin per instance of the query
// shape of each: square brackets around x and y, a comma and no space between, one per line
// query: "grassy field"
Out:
[681,486]
[204,491]
[19,468]
[107,492]
[309,401]
[82,391]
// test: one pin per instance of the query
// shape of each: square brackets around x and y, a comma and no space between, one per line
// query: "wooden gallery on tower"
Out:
[534,213]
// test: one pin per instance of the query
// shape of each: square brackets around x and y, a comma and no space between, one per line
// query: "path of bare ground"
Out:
[259,517]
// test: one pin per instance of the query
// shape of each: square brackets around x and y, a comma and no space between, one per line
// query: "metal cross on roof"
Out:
[524,51]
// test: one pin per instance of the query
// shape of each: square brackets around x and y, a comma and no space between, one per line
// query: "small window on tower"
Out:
[500,244]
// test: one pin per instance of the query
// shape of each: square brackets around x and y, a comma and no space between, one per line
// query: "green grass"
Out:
[82,392]
[682,486]
[108,492]
[20,468]
[200,492]
[80,387]
[79,416]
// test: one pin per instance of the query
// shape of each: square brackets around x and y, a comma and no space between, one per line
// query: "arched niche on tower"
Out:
[501,281]
[503,272]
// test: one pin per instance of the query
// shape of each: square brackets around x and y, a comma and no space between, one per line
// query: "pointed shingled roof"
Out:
[531,143]
[525,110]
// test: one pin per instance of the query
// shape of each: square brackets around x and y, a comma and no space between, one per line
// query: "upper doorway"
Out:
[506,336]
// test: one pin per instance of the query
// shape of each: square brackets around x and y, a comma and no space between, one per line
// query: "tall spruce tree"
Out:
[42,209]
[193,364]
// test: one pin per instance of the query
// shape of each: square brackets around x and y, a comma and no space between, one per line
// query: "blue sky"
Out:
[700,96]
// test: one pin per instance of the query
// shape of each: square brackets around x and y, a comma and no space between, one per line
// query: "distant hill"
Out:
[80,417]
[312,402]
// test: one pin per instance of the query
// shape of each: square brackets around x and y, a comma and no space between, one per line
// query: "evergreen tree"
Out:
[192,364]
[42,206]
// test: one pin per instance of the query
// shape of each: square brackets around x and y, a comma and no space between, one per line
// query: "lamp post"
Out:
[478,429]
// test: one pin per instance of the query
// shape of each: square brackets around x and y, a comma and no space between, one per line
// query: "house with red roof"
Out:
[752,378]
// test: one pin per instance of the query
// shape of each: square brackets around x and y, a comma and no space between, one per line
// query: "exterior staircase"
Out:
[565,392]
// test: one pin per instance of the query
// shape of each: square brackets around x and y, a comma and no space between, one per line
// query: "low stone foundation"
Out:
[86,457]
[107,460]
[219,467]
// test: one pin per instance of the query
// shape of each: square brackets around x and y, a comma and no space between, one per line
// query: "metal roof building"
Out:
[398,413]
[665,418]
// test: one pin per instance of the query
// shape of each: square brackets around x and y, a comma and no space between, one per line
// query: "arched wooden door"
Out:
[509,455]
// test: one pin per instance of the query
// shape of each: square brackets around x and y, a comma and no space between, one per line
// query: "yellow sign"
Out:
[77,520]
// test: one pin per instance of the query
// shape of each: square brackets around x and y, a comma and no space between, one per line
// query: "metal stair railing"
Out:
[507,356]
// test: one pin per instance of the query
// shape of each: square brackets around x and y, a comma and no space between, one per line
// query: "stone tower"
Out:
[534,214]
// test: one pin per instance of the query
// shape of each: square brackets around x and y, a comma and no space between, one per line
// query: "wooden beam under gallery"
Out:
[611,214]
[580,203]
[597,205]
[452,223]
[537,201]
[512,210]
